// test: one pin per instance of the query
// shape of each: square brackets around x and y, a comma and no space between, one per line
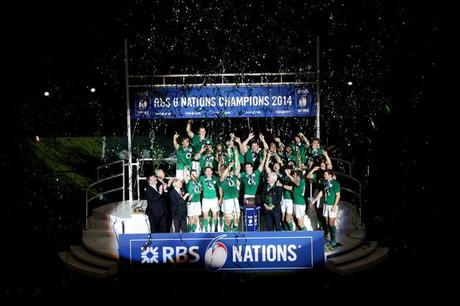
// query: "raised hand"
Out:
[267,207]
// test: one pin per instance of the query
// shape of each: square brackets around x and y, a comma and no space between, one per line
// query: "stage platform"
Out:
[98,254]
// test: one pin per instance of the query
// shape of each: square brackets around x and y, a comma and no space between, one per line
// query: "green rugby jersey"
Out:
[209,186]
[229,187]
[330,189]
[250,182]
[184,158]
[298,193]
[194,188]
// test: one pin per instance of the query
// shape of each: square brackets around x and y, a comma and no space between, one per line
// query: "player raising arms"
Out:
[210,201]
[184,156]
[193,187]
[298,194]
[228,197]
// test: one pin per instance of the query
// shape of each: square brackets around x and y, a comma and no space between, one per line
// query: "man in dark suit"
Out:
[163,181]
[272,196]
[156,208]
[178,206]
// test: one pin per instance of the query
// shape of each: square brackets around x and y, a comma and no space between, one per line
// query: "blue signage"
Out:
[223,101]
[239,251]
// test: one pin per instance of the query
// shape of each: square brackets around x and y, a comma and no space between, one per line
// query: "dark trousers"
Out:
[180,224]
[158,223]
[168,219]
[273,220]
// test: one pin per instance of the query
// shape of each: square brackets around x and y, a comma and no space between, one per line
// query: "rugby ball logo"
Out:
[216,254]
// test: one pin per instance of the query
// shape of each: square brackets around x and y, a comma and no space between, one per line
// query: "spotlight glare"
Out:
[350,83]
[93,89]
[46,93]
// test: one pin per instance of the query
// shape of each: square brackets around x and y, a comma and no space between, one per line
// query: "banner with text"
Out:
[239,251]
[223,101]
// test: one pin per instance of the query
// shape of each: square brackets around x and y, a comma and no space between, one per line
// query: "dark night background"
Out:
[388,49]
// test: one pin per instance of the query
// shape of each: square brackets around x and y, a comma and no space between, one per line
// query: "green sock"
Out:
[193,228]
[303,228]
[226,227]
[291,226]
[204,225]
[189,227]
[333,234]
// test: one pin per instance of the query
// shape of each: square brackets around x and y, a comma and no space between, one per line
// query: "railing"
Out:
[106,166]
[138,177]
[99,181]
[223,79]
[342,162]
[357,194]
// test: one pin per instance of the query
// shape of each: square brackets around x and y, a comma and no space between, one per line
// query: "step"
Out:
[116,209]
[365,263]
[99,232]
[103,245]
[79,252]
[349,240]
[95,223]
[105,211]
[100,215]
[364,250]
[83,268]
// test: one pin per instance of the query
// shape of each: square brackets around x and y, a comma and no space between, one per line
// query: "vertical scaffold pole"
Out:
[317,88]
[128,127]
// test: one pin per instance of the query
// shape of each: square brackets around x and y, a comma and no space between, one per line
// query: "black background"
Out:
[71,46]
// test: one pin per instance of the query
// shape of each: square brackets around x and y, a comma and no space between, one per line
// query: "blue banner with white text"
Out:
[239,251]
[223,101]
